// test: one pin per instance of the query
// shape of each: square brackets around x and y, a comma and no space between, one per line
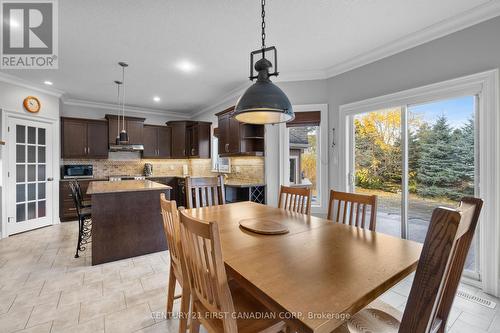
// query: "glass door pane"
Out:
[378,164]
[441,161]
[30,173]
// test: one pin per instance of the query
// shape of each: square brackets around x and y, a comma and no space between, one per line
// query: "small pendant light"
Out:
[123,133]
[118,84]
[263,102]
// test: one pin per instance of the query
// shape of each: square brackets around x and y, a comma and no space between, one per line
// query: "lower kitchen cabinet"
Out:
[67,210]
[238,193]
[178,192]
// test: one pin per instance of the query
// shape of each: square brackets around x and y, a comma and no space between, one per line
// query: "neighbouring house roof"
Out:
[298,137]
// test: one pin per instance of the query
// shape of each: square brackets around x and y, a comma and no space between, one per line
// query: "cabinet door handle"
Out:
[88,150]
[227,147]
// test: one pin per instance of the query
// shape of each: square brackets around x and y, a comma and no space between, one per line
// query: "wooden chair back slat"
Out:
[440,266]
[172,231]
[205,191]
[348,209]
[295,199]
[205,268]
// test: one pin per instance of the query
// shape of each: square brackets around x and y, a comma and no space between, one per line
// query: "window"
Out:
[303,151]
[215,153]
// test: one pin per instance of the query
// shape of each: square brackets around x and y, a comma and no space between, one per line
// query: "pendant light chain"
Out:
[263,15]
[118,99]
[123,99]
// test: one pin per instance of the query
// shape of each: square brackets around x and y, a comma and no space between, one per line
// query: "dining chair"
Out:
[205,191]
[171,227]
[436,280]
[295,199]
[351,209]
[218,305]
[84,219]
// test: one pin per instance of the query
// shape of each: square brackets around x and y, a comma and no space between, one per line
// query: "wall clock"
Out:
[32,104]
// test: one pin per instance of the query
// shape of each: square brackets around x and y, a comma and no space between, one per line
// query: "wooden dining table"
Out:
[316,275]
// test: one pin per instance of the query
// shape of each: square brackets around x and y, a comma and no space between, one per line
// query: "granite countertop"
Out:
[83,179]
[100,187]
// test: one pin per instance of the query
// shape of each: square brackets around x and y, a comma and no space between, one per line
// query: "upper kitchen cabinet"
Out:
[157,141]
[84,138]
[198,139]
[190,139]
[239,139]
[134,127]
[179,140]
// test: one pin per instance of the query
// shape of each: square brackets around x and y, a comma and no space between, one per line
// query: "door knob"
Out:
[50,179]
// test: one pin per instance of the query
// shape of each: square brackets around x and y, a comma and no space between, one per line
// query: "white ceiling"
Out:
[152,35]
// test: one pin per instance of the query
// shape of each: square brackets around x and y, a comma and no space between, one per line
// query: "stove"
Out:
[118,178]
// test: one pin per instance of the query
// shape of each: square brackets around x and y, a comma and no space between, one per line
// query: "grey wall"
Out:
[469,51]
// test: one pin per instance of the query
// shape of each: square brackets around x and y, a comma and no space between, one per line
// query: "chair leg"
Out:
[184,311]
[170,292]
[80,229]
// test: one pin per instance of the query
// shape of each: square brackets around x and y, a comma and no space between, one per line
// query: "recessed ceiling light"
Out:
[156,99]
[186,66]
[49,83]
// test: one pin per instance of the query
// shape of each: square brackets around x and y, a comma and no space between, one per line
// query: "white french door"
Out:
[29,175]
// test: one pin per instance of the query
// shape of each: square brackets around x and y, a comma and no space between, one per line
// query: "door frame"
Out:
[6,116]
[486,86]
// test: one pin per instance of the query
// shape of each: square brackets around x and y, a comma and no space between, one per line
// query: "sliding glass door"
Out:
[378,164]
[416,158]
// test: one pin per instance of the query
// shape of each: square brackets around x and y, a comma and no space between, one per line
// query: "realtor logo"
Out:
[29,34]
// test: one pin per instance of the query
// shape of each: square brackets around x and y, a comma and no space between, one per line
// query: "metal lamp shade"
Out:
[263,103]
[123,137]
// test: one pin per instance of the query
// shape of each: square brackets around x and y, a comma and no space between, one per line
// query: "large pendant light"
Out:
[123,133]
[118,84]
[263,102]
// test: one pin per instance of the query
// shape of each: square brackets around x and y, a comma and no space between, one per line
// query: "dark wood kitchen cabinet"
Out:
[157,141]
[67,210]
[178,129]
[190,139]
[84,138]
[238,139]
[199,139]
[134,127]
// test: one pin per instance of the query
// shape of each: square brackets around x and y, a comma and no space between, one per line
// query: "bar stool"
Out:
[84,219]
[84,203]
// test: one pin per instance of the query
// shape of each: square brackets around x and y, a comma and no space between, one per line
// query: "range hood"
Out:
[126,147]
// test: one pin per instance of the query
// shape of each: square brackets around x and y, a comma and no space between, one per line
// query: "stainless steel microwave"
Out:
[78,171]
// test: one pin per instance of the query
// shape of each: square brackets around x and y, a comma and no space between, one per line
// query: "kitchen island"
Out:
[126,219]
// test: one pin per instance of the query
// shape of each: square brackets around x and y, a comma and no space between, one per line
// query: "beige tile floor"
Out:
[44,289]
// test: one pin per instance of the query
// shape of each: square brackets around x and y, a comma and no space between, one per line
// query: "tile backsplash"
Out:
[244,169]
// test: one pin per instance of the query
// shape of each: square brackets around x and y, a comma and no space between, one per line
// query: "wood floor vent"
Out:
[476,299]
